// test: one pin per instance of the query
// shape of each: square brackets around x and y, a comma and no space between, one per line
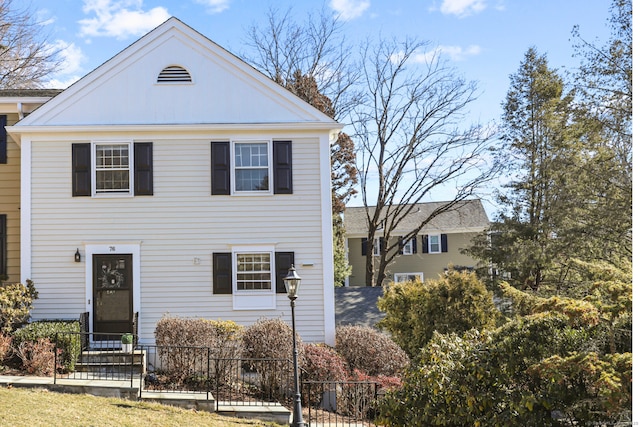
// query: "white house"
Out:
[186,182]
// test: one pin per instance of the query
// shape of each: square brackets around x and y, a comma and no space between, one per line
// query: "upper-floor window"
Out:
[251,167]
[409,246]
[434,244]
[253,271]
[251,164]
[113,170]
[113,167]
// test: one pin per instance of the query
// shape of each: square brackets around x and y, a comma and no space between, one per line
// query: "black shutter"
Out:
[282,168]
[425,244]
[284,261]
[143,168]
[81,169]
[364,246]
[3,139]
[414,245]
[444,245]
[220,168]
[222,273]
[3,244]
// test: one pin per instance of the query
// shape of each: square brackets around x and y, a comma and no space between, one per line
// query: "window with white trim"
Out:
[253,271]
[112,168]
[435,246]
[407,277]
[407,248]
[251,160]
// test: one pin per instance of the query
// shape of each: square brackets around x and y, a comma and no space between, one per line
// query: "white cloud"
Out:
[71,58]
[462,8]
[215,6]
[119,18]
[349,9]
[455,53]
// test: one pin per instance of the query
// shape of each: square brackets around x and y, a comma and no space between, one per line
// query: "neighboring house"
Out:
[177,179]
[14,105]
[436,247]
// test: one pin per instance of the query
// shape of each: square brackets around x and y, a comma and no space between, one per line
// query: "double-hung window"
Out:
[253,271]
[251,166]
[434,244]
[122,168]
[113,170]
[409,246]
[252,275]
[258,167]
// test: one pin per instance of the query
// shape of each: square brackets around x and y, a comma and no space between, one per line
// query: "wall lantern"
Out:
[77,256]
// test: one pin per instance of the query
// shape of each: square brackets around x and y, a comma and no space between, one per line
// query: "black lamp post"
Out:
[291,283]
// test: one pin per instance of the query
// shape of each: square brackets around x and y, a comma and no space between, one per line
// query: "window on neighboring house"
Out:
[434,243]
[376,246]
[3,246]
[246,167]
[116,168]
[409,246]
[408,277]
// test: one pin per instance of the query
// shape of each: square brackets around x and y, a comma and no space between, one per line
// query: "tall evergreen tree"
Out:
[539,145]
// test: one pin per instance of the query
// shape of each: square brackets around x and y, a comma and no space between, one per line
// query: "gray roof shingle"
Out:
[467,215]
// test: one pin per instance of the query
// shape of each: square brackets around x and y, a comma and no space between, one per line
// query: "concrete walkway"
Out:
[273,412]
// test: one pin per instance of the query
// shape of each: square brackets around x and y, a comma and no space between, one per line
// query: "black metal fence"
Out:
[345,403]
[220,375]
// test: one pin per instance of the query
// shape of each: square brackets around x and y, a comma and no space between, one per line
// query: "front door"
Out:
[112,295]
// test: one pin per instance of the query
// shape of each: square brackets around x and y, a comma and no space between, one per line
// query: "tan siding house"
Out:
[187,183]
[436,247]
[14,105]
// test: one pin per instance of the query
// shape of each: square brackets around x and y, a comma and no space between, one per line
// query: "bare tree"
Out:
[315,49]
[410,143]
[26,57]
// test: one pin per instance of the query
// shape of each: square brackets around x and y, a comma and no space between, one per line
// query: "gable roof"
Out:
[465,216]
[225,90]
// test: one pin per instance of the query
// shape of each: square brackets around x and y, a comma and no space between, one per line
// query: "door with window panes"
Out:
[112,295]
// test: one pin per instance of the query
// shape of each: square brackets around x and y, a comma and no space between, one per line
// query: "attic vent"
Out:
[174,74]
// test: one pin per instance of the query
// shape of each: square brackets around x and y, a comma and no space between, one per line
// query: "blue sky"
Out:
[484,39]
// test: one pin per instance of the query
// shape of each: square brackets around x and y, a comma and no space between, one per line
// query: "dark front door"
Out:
[112,295]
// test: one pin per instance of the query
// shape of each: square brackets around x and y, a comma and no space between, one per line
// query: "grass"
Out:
[40,407]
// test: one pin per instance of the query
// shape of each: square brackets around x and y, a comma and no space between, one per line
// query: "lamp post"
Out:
[291,283]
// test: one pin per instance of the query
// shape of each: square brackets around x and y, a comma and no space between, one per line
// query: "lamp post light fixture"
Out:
[291,284]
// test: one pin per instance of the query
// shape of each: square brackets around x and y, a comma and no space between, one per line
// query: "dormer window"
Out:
[174,74]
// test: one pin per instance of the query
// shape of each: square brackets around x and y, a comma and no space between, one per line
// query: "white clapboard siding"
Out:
[180,222]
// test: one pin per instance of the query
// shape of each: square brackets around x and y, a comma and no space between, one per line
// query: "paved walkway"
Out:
[123,389]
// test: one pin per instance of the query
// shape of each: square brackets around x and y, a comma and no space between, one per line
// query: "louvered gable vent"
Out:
[174,74]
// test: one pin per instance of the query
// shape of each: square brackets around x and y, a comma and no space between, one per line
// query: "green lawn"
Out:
[38,407]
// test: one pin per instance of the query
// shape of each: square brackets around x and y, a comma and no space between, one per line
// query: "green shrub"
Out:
[65,334]
[456,302]
[219,340]
[370,351]
[16,302]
